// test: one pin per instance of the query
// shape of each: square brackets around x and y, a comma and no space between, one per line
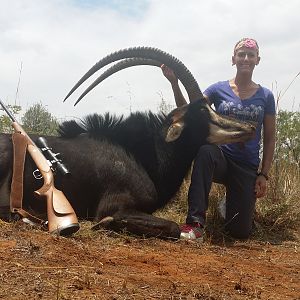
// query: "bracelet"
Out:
[263,174]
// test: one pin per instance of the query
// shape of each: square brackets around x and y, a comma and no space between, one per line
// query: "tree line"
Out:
[38,120]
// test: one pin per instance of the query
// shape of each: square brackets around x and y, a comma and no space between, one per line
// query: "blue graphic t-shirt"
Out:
[253,109]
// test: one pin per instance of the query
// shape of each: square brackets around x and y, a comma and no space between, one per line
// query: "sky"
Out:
[46,46]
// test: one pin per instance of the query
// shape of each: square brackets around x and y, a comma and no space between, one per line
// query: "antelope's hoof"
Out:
[104,223]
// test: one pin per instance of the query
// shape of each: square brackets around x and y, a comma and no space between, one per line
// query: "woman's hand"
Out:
[169,74]
[260,186]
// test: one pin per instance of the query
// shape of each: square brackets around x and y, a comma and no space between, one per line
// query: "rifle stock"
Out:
[62,219]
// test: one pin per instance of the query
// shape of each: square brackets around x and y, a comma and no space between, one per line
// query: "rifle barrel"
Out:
[7,111]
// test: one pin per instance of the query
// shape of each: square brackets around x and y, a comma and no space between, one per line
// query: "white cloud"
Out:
[58,41]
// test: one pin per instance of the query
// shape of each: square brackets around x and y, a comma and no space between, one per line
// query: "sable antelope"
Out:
[124,169]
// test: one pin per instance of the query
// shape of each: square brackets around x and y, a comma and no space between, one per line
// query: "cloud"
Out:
[58,41]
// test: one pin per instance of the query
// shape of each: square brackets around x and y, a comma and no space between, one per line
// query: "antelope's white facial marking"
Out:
[226,131]
[220,136]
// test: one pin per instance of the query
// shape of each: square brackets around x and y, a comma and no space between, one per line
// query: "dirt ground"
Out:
[103,265]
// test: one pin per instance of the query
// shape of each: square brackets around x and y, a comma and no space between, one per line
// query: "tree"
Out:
[288,136]
[5,121]
[38,120]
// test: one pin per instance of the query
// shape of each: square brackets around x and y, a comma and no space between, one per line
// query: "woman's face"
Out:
[245,59]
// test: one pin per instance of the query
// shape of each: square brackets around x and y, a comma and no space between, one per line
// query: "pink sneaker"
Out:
[192,231]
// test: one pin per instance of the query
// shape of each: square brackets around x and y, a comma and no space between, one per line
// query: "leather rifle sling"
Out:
[16,193]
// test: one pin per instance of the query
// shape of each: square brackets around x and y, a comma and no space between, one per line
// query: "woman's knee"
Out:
[207,151]
[239,231]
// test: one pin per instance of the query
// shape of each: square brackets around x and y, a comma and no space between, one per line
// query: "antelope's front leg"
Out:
[141,224]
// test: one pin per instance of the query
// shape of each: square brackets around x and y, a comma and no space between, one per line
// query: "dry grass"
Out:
[280,208]
[277,215]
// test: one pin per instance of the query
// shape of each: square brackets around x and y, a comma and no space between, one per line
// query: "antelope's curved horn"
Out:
[178,67]
[123,64]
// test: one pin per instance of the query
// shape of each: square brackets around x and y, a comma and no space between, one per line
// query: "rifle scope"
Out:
[51,156]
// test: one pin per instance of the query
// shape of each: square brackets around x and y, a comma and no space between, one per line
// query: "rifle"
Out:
[62,219]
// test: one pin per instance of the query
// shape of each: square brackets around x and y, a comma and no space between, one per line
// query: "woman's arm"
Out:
[179,98]
[170,75]
[268,143]
[268,152]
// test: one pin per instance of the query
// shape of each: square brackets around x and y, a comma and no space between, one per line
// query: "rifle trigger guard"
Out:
[37,174]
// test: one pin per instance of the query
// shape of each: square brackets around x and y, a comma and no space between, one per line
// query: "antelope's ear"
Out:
[174,131]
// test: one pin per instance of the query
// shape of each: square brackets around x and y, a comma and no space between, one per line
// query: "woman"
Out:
[234,165]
